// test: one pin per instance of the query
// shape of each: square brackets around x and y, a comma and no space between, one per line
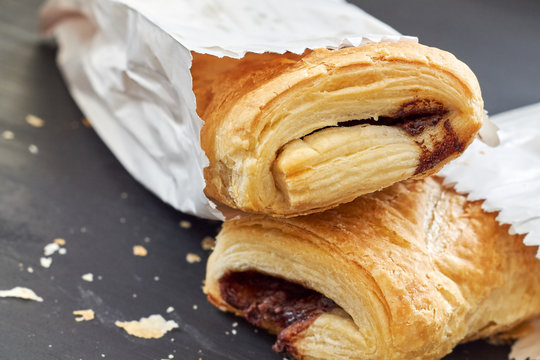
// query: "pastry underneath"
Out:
[408,272]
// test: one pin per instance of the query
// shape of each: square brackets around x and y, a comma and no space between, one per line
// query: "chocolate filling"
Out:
[441,150]
[413,117]
[273,303]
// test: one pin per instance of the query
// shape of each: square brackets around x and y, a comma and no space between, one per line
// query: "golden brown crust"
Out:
[260,113]
[416,266]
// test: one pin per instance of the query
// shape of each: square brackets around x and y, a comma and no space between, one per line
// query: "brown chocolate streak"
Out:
[449,145]
[274,303]
[413,117]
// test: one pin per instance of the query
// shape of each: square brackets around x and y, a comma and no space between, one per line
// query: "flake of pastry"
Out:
[152,327]
[45,262]
[34,121]
[60,241]
[20,293]
[192,258]
[147,239]
[33,149]
[124,195]
[30,269]
[208,243]
[86,123]
[50,249]
[170,309]
[62,251]
[84,315]
[139,250]
[184,224]
[88,277]
[8,135]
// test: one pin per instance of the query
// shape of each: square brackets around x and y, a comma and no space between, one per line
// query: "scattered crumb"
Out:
[30,269]
[171,356]
[88,277]
[156,278]
[84,315]
[233,331]
[62,251]
[147,239]
[8,135]
[102,355]
[122,220]
[193,258]
[45,262]
[21,266]
[184,224]
[50,345]
[170,309]
[172,339]
[33,149]
[83,229]
[227,333]
[21,293]
[152,327]
[124,195]
[134,296]
[86,123]
[208,243]
[50,249]
[195,307]
[34,121]
[59,241]
[139,250]
[234,324]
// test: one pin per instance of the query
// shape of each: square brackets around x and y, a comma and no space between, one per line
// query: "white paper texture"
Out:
[127,65]
[528,347]
[506,176]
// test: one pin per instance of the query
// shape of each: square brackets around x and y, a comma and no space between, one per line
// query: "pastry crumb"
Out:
[234,324]
[152,327]
[8,135]
[195,307]
[62,251]
[233,331]
[184,224]
[50,249]
[147,239]
[171,356]
[59,241]
[169,310]
[84,315]
[193,258]
[124,195]
[21,293]
[139,250]
[33,149]
[45,262]
[208,243]
[30,269]
[88,277]
[156,278]
[34,121]
[86,123]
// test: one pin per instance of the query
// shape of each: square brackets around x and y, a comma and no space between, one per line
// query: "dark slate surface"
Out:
[72,189]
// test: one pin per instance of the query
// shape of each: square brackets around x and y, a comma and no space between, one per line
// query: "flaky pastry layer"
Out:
[415,268]
[295,134]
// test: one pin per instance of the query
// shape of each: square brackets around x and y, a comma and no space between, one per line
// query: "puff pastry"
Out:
[281,131]
[408,272]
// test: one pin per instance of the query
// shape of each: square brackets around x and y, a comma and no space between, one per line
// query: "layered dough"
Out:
[295,134]
[408,272]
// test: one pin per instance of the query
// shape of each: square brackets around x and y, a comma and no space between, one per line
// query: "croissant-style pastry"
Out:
[280,131]
[408,272]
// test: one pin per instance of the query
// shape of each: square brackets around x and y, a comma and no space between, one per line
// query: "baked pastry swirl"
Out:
[408,272]
[281,131]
